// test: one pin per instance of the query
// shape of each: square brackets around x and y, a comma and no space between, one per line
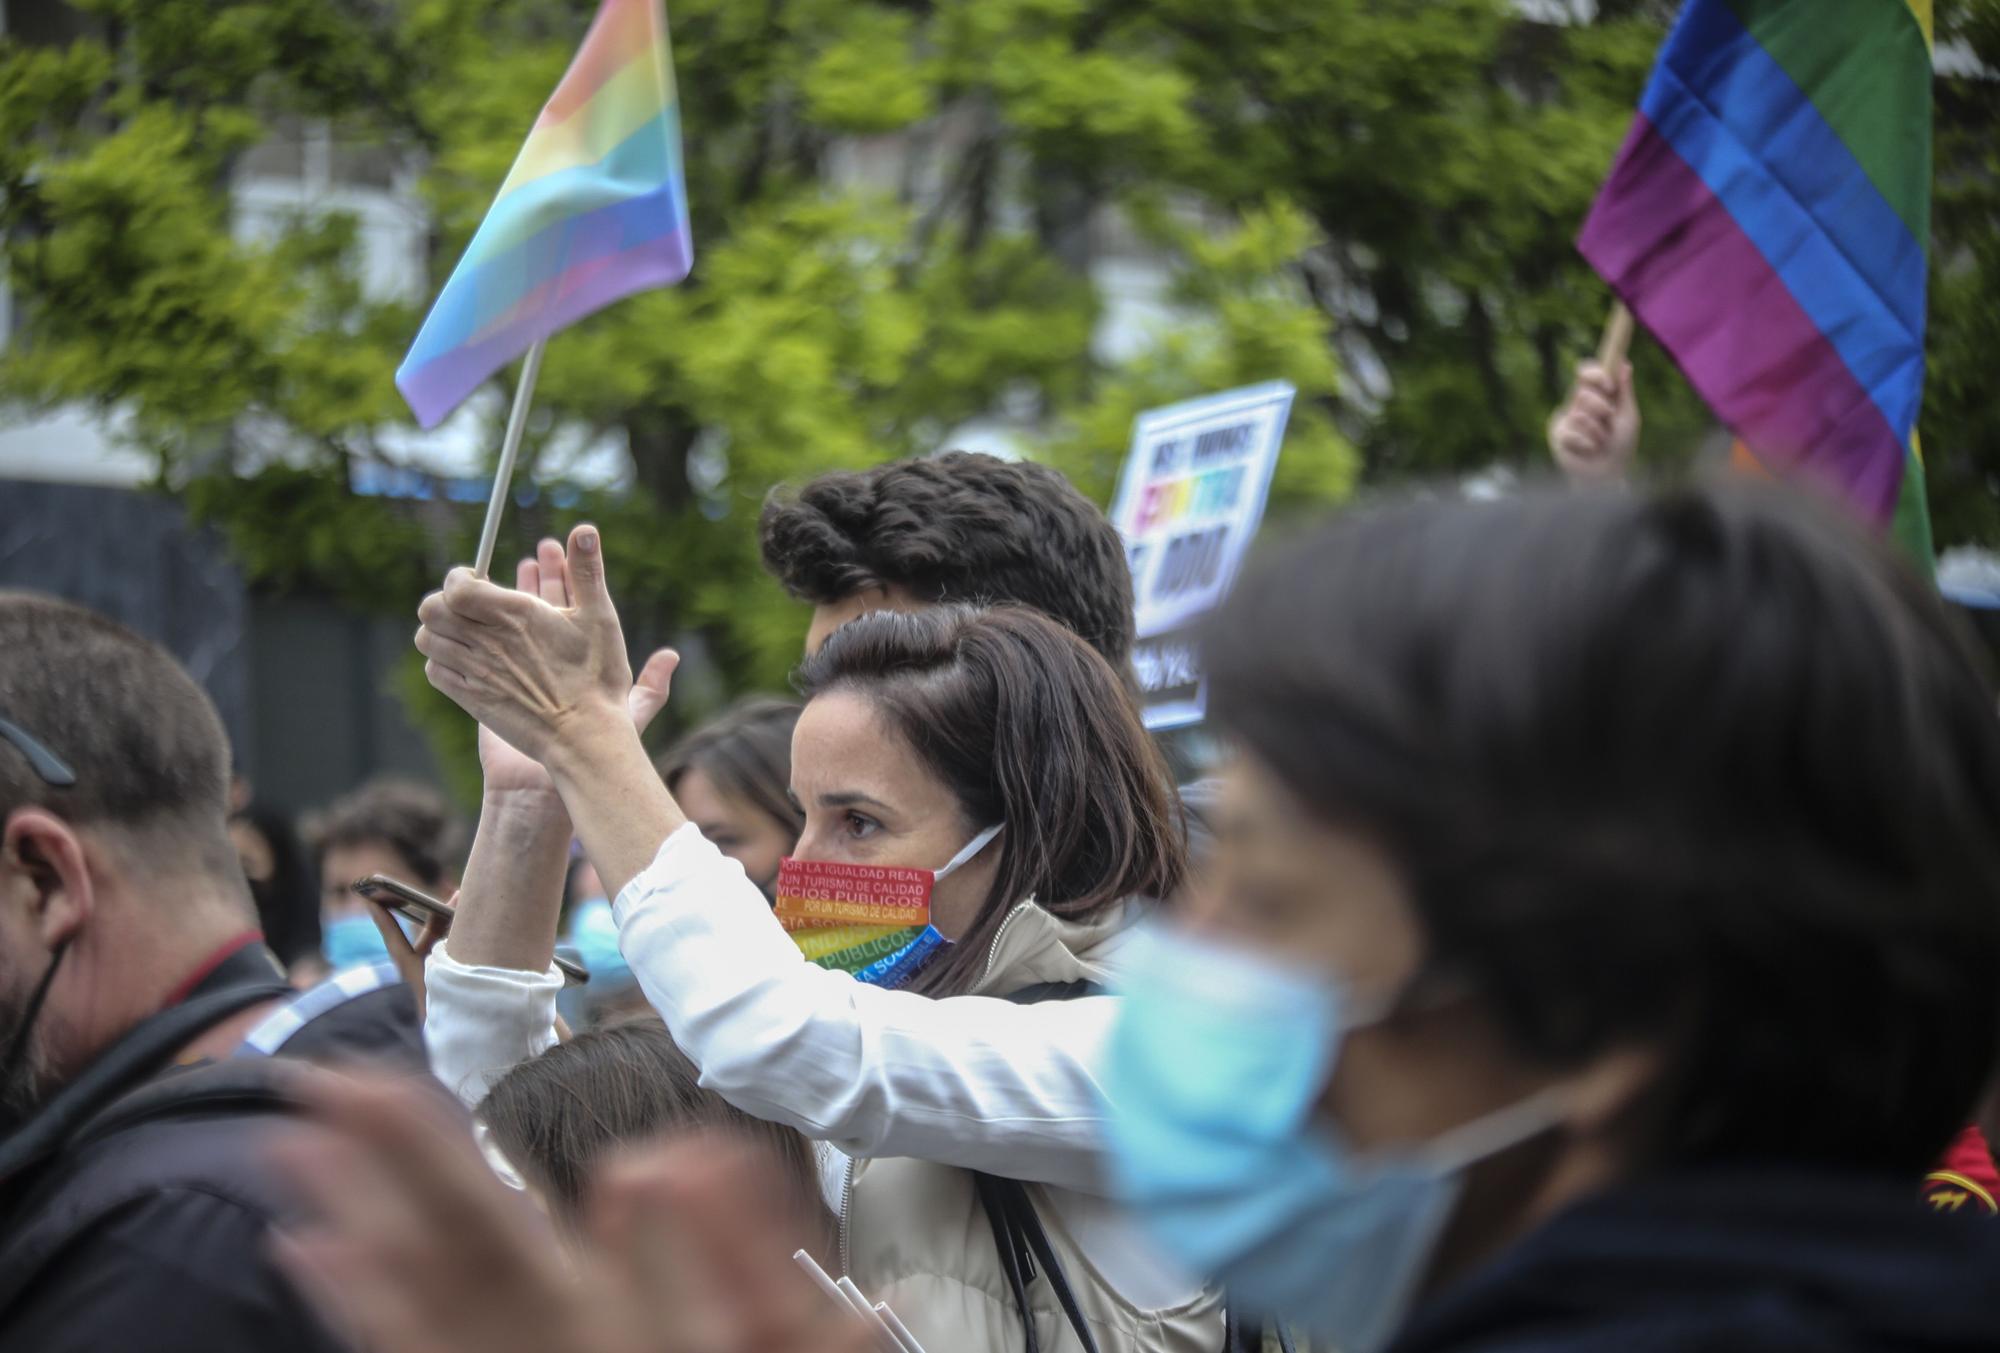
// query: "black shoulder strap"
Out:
[1237,1338]
[1018,1233]
[1056,991]
[142,1051]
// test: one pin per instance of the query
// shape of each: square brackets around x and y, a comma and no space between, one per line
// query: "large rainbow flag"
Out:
[594,209]
[1768,219]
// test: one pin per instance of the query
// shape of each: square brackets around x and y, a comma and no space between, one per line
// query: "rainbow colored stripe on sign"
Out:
[1769,220]
[594,209]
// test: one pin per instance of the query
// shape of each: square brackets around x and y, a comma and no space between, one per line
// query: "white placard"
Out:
[1189,501]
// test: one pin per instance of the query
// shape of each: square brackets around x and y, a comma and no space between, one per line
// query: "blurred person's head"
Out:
[556,1118]
[959,527]
[924,729]
[1579,836]
[390,826]
[732,777]
[118,879]
[281,880]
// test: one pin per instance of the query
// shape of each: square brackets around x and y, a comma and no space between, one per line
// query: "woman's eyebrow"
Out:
[849,798]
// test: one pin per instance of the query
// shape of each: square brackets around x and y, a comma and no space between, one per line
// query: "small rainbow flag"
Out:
[1768,219]
[594,209]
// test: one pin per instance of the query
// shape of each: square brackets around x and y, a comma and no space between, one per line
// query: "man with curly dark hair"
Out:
[960,526]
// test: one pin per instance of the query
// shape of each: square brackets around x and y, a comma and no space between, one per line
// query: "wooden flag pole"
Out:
[1617,339]
[510,447]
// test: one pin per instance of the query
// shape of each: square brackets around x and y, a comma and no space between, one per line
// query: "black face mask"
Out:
[20,1096]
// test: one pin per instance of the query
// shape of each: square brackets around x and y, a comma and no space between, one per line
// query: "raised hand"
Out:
[506,770]
[1594,436]
[529,670]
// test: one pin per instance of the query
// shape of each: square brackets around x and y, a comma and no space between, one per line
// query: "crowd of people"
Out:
[1590,941]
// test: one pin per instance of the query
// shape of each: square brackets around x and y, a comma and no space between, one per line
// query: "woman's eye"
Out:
[860,826]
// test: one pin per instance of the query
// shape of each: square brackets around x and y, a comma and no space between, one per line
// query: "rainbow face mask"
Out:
[870,920]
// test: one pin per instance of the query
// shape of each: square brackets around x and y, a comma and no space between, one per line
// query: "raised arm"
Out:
[495,1007]
[966,1081]
[971,1081]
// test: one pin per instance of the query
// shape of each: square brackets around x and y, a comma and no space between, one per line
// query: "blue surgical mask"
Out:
[593,941]
[352,941]
[593,935]
[1213,1070]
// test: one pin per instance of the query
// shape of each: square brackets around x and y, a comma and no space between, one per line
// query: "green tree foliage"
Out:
[1961,424]
[823,326]
[1375,199]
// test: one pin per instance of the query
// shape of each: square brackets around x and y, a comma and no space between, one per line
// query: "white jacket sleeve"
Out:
[970,1081]
[481,1022]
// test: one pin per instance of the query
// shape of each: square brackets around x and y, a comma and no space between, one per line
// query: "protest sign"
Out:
[1189,501]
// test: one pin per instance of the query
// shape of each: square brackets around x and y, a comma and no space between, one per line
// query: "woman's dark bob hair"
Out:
[1705,769]
[1029,726]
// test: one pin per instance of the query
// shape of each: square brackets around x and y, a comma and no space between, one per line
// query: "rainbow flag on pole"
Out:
[1768,219]
[594,209]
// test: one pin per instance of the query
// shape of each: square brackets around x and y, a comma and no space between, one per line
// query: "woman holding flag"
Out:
[984,820]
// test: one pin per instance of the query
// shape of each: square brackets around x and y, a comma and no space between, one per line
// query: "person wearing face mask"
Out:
[1601,941]
[136,1213]
[733,778]
[984,819]
[389,826]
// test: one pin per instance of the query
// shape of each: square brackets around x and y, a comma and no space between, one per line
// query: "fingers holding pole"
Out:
[510,447]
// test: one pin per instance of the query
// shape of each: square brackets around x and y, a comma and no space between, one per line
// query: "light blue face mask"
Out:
[1213,1069]
[593,935]
[593,941]
[352,941]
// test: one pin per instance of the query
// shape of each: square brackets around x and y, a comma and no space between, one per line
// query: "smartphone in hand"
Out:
[421,908]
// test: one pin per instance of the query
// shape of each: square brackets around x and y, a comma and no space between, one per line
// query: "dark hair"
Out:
[1706,769]
[143,740]
[1028,726]
[411,819]
[957,527]
[288,901]
[747,751]
[557,1116]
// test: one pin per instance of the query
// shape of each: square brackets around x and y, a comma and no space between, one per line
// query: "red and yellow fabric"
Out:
[1966,1180]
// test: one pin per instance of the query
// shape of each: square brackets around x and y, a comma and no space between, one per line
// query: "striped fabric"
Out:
[1768,219]
[277,1028]
[594,209]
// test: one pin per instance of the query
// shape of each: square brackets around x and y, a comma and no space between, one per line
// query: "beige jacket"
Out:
[915,1091]
[914,1234]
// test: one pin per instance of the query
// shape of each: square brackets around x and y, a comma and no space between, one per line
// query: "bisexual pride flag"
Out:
[1768,219]
[594,209]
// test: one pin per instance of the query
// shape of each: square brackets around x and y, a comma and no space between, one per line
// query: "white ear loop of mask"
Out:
[970,849]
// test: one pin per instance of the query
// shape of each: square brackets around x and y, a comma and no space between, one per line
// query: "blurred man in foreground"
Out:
[134,1212]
